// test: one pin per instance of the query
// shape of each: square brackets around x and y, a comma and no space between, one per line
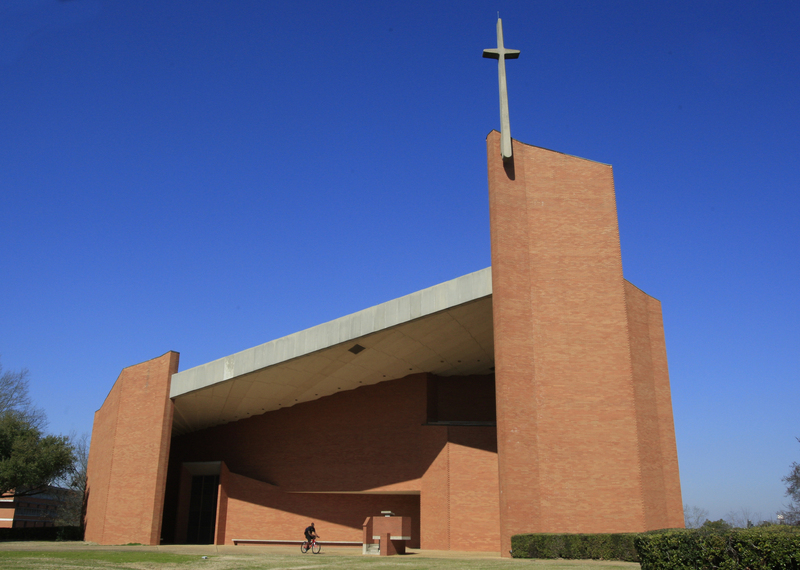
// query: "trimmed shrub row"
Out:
[762,548]
[50,533]
[575,546]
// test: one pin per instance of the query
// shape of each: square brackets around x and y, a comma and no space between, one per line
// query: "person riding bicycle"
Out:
[311,533]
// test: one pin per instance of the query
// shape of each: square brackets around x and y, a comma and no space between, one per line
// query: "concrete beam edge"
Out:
[433,299]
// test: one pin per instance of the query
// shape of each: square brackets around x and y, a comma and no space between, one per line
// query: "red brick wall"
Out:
[362,439]
[660,479]
[395,526]
[98,470]
[313,460]
[669,450]
[128,455]
[258,510]
[566,413]
[460,492]
[221,524]
[6,514]
[474,511]
[435,493]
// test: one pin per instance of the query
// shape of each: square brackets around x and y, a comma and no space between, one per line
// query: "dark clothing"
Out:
[310,533]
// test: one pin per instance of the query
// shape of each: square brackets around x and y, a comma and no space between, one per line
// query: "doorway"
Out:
[202,509]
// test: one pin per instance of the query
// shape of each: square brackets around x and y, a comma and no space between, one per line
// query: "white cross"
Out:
[500,54]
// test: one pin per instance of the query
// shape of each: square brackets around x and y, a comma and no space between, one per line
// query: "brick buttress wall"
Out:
[127,468]
[568,449]
[660,479]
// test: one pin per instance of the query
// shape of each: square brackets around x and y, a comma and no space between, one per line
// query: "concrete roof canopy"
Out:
[445,330]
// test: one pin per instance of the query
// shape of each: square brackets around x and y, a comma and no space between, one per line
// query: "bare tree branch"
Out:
[693,516]
[72,487]
[792,513]
[14,397]
[743,518]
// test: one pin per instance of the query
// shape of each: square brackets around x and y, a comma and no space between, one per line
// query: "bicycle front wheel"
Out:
[315,548]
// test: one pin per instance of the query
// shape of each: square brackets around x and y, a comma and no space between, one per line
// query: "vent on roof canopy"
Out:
[356,348]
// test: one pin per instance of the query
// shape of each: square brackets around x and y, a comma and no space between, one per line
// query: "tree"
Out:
[792,513]
[743,518]
[694,517]
[72,507]
[14,396]
[719,525]
[30,461]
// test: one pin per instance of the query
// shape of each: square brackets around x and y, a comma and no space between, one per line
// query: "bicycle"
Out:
[312,546]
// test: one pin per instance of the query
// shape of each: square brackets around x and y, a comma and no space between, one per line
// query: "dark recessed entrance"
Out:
[202,509]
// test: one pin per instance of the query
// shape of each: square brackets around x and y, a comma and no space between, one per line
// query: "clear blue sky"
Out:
[207,176]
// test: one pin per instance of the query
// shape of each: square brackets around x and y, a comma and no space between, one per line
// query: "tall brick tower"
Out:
[584,418]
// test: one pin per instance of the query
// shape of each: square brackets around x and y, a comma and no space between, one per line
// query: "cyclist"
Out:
[311,533]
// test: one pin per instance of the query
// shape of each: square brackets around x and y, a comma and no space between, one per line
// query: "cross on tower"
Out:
[500,54]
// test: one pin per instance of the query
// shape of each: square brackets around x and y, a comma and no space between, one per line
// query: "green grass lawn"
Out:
[156,560]
[93,559]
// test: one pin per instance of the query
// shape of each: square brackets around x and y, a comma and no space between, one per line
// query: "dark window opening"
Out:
[461,400]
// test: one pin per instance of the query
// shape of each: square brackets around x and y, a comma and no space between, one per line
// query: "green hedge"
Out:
[575,546]
[762,548]
[51,533]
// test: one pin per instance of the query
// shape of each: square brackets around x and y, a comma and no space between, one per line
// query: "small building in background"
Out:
[31,511]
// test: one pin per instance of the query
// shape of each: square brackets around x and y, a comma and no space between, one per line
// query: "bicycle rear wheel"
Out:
[304,547]
[315,548]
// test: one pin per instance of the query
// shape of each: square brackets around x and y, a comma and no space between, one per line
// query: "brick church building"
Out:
[531,396]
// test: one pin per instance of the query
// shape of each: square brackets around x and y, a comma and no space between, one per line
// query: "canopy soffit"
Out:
[445,330]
